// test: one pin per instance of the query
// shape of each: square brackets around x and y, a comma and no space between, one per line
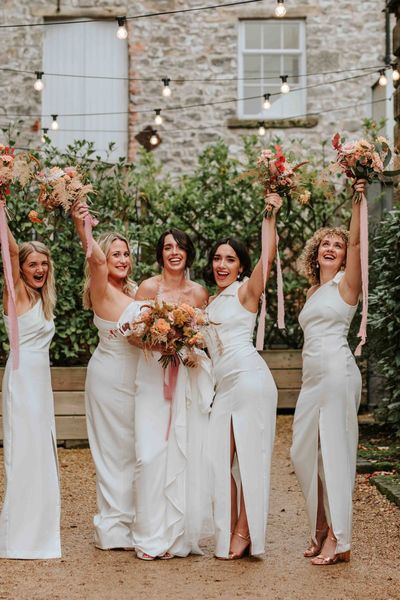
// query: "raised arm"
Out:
[350,286]
[97,261]
[250,292]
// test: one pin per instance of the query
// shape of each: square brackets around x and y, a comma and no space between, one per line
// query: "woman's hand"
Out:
[360,186]
[79,211]
[273,202]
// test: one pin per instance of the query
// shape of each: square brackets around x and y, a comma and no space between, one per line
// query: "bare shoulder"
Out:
[311,291]
[148,289]
[200,294]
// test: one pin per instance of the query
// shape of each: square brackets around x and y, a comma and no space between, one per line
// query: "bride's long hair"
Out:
[48,292]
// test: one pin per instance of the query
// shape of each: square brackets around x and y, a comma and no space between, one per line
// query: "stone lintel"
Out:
[302,11]
[292,122]
[50,12]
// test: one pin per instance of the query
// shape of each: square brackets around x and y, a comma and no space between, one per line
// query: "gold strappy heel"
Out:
[246,549]
[315,548]
[324,561]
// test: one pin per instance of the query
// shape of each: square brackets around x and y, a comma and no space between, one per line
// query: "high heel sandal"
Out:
[315,548]
[144,556]
[324,561]
[246,549]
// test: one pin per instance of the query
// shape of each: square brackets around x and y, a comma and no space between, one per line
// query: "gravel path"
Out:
[85,573]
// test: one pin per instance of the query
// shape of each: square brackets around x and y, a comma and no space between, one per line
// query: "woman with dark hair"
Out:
[325,428]
[30,518]
[171,492]
[242,424]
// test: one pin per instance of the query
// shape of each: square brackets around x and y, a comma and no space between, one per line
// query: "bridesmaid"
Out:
[30,519]
[325,429]
[242,425]
[170,483]
[109,396]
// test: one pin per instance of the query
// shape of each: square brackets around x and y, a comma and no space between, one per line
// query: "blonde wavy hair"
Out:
[308,264]
[48,292]
[104,241]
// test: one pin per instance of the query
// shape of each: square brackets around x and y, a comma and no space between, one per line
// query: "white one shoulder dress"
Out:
[325,428]
[246,396]
[110,406]
[30,519]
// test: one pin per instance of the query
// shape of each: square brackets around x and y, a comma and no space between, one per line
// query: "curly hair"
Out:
[307,263]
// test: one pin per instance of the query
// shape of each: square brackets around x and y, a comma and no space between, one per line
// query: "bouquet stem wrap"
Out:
[364,272]
[281,305]
[11,307]
[170,379]
[89,222]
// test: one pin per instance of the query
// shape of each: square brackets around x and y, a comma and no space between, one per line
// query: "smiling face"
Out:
[173,256]
[332,253]
[119,260]
[226,266]
[35,269]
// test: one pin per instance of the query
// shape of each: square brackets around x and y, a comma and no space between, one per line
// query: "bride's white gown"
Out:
[30,519]
[173,510]
[246,396]
[325,428]
[110,397]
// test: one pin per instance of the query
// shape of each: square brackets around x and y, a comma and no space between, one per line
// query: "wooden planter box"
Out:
[69,397]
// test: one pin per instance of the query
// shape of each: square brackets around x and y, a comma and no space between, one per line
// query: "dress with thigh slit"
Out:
[326,410]
[246,396]
[30,518]
[110,397]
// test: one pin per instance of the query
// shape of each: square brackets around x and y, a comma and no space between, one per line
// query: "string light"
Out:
[382,79]
[285,86]
[154,138]
[267,102]
[166,89]
[158,118]
[44,133]
[280,10]
[261,128]
[122,32]
[38,85]
[54,124]
[395,72]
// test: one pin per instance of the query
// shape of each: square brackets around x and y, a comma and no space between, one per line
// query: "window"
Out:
[267,50]
[86,49]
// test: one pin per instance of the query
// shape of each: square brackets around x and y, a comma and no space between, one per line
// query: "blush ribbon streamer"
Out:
[170,379]
[364,272]
[8,277]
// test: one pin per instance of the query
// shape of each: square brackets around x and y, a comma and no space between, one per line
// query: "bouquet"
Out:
[14,168]
[61,188]
[173,329]
[363,159]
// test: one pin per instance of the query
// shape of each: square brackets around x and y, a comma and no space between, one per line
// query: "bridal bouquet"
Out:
[174,329]
[363,159]
[14,168]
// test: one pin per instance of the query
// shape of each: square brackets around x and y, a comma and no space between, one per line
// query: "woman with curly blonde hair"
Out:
[30,518]
[325,429]
[110,384]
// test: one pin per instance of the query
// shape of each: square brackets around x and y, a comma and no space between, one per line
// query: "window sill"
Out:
[291,122]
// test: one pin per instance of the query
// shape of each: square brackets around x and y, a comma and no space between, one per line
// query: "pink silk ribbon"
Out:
[11,305]
[279,282]
[364,272]
[170,379]
[89,222]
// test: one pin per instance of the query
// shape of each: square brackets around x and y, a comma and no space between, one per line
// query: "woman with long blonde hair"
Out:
[110,383]
[30,518]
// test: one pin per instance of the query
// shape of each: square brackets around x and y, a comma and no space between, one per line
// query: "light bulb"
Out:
[267,102]
[382,79]
[38,85]
[261,129]
[122,32]
[54,124]
[158,118]
[154,139]
[395,73]
[280,10]
[285,86]
[43,138]
[166,89]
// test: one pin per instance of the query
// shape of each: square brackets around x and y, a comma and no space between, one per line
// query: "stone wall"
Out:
[339,34]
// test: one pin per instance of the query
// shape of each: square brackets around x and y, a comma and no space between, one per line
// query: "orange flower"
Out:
[161,326]
[33,216]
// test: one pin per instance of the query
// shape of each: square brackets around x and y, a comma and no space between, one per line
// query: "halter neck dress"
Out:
[325,428]
[30,519]
[246,396]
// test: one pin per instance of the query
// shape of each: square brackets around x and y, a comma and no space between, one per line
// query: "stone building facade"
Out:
[199,52]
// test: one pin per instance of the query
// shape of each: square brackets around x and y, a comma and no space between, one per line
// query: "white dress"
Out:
[110,396]
[246,395]
[173,509]
[327,410]
[30,519]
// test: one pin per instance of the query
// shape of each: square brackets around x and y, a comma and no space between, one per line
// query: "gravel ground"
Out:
[85,573]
